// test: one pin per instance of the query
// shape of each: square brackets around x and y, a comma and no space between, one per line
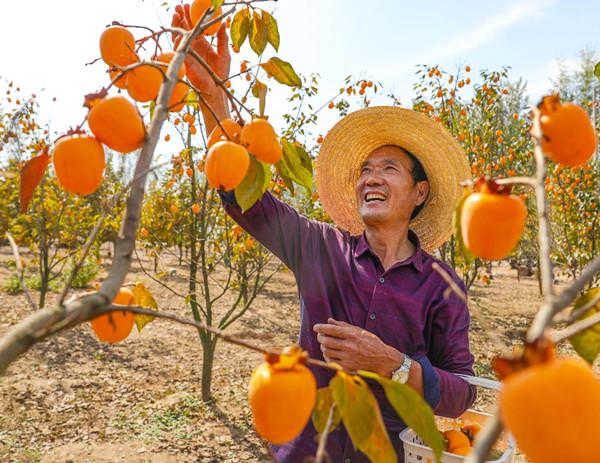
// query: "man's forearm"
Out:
[219,105]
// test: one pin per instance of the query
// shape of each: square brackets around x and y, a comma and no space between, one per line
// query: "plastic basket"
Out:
[415,450]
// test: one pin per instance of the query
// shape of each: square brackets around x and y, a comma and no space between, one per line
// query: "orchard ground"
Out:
[76,399]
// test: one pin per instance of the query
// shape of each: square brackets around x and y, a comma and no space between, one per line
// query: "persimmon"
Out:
[115,326]
[553,411]
[260,139]
[117,46]
[281,400]
[143,83]
[166,58]
[462,451]
[116,122]
[455,439]
[226,165]
[568,136]
[197,10]
[232,129]
[492,221]
[177,100]
[121,82]
[471,429]
[79,163]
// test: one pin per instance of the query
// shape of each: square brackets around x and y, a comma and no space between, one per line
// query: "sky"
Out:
[46,49]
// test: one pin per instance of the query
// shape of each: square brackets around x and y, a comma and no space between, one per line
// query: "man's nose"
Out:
[374,178]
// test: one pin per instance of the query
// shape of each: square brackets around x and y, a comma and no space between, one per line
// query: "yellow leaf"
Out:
[144,299]
[362,418]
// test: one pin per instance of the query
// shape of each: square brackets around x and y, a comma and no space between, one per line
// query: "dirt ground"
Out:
[75,399]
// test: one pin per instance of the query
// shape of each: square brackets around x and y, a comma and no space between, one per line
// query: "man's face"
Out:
[386,192]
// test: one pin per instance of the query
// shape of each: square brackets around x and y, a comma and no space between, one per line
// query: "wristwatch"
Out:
[401,374]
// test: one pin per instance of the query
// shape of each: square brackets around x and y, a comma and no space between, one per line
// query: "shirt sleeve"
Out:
[278,227]
[448,356]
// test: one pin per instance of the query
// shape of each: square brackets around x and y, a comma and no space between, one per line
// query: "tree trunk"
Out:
[208,356]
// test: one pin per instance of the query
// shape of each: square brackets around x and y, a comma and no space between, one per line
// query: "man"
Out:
[369,297]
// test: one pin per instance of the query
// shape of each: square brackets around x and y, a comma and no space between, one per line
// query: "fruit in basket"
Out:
[462,451]
[471,430]
[553,411]
[455,439]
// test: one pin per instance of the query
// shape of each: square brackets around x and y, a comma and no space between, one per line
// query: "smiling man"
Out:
[369,297]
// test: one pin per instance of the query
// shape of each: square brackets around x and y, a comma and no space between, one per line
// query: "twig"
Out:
[475,309]
[20,271]
[575,328]
[543,317]
[584,308]
[566,298]
[156,280]
[321,452]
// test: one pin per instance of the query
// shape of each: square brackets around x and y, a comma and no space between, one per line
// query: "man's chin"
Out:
[372,217]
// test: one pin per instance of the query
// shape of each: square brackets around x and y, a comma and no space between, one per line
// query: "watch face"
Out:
[400,376]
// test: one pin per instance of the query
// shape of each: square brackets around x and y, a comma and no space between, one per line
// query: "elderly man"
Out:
[369,297]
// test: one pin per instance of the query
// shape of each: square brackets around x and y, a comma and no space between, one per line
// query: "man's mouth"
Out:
[374,196]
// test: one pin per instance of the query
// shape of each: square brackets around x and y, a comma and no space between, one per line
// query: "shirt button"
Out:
[347,460]
[372,316]
[381,280]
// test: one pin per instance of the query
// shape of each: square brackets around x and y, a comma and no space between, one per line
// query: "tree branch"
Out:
[321,452]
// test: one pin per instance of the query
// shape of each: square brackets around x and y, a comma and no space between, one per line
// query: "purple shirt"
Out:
[339,276]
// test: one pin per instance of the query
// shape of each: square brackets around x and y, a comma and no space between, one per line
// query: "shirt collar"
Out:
[416,259]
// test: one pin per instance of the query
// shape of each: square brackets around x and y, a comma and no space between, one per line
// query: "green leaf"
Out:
[285,175]
[456,223]
[144,299]
[587,342]
[217,4]
[320,413]
[362,418]
[258,34]
[282,71]
[240,25]
[259,90]
[254,185]
[152,108]
[597,70]
[272,30]
[296,164]
[413,410]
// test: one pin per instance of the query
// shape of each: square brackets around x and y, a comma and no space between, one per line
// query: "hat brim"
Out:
[350,142]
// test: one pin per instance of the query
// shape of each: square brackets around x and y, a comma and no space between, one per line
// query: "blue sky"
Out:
[377,39]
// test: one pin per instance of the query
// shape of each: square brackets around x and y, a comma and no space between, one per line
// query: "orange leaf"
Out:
[31,176]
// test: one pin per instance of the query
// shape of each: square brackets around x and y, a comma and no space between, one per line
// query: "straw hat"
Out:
[356,136]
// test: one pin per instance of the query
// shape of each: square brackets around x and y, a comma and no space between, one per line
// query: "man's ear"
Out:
[422,192]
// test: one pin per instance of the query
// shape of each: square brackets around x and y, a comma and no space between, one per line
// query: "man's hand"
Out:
[356,349]
[219,60]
